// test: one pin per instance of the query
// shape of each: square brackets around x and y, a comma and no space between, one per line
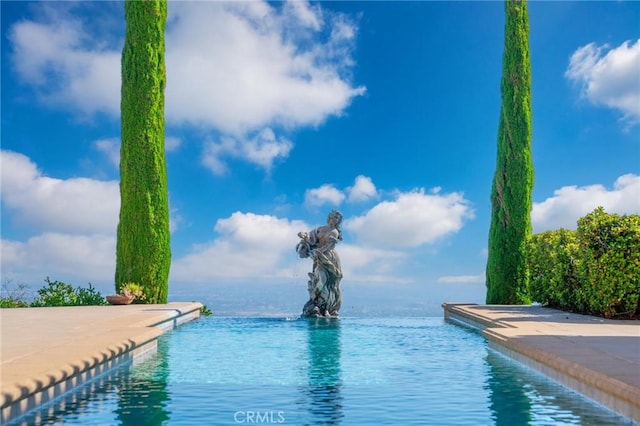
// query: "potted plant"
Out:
[128,293]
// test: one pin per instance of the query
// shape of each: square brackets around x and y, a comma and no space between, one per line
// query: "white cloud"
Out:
[461,279]
[243,66]
[363,189]
[609,77]
[77,205]
[66,64]
[263,150]
[236,67]
[371,264]
[325,194]
[412,219]
[74,221]
[88,258]
[570,203]
[248,246]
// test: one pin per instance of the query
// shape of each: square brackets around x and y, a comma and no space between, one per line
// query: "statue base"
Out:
[311,310]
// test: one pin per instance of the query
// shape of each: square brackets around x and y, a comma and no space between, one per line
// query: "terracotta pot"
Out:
[119,299]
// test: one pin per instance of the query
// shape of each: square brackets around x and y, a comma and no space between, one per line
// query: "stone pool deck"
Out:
[595,357]
[45,352]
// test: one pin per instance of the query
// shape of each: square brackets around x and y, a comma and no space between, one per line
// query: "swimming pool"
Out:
[351,371]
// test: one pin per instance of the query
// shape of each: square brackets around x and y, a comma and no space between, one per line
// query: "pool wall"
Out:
[50,352]
[556,358]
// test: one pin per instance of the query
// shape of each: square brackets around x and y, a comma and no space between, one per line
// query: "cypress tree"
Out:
[143,253]
[506,273]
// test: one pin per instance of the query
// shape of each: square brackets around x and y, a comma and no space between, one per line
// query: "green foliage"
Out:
[143,253]
[205,312]
[57,293]
[610,269]
[593,270]
[553,261]
[14,296]
[133,290]
[507,275]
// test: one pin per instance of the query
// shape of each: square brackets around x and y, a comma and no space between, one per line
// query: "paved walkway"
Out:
[598,358]
[45,352]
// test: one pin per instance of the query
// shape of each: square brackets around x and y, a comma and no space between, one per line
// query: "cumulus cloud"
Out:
[77,205]
[263,149]
[325,194]
[61,256]
[363,189]
[412,219]
[570,203]
[609,76]
[248,246]
[371,264]
[243,66]
[67,65]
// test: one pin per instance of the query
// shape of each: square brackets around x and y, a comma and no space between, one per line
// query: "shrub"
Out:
[610,262]
[594,270]
[552,261]
[57,293]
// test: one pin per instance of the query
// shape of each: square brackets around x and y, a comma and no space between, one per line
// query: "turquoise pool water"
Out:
[351,371]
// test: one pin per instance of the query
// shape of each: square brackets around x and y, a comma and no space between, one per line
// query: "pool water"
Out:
[351,371]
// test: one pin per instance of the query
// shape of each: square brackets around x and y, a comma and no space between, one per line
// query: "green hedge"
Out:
[594,270]
[553,258]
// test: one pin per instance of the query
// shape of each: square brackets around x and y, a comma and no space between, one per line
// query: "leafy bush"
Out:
[553,259]
[57,293]
[610,262]
[594,270]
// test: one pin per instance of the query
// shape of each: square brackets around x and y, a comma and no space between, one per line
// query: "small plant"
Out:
[205,312]
[133,290]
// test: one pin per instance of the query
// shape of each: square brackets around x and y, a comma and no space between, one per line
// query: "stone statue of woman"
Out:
[325,297]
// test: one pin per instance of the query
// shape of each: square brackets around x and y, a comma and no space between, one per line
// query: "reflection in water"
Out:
[143,395]
[323,390]
[508,400]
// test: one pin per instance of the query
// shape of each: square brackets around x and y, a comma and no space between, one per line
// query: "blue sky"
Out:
[277,113]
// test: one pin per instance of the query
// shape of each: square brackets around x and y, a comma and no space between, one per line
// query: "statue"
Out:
[325,297]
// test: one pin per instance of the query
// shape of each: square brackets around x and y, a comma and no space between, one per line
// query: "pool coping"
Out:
[554,343]
[66,348]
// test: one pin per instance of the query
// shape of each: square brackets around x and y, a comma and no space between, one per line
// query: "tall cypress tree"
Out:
[143,253]
[507,275]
